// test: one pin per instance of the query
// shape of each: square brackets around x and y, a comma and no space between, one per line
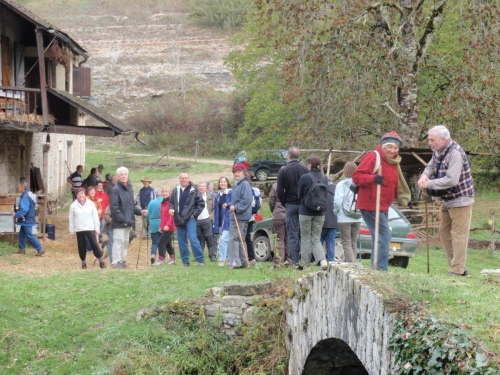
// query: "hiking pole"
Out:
[241,237]
[146,230]
[377,223]
[427,229]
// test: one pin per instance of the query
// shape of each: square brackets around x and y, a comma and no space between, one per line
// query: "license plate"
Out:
[395,246]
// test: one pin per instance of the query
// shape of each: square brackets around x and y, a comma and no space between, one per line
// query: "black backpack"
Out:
[317,195]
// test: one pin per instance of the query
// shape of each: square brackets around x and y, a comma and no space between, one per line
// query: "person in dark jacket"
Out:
[279,228]
[329,230]
[311,222]
[122,214]
[288,181]
[25,217]
[91,179]
[241,212]
[186,204]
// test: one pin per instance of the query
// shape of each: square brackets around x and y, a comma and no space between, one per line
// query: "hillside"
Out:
[138,52]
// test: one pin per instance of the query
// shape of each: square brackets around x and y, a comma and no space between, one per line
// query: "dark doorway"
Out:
[333,357]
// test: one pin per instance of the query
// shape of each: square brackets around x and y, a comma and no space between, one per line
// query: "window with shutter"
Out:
[81,81]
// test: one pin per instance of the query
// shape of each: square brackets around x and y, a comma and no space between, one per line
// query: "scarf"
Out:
[404,193]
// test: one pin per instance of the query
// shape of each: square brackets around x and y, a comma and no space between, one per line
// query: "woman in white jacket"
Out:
[349,223]
[84,221]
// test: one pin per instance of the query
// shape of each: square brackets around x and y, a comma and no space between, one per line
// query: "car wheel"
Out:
[262,175]
[262,248]
[399,262]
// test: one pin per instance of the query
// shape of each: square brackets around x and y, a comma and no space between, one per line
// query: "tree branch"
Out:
[391,109]
[430,28]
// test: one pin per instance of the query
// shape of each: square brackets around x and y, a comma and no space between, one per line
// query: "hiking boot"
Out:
[84,266]
[40,253]
[246,266]
[201,264]
[102,264]
[21,251]
[158,262]
[253,262]
[221,263]
[323,264]
[185,264]
[457,274]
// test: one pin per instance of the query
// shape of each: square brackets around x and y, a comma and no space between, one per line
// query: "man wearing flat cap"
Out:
[241,213]
[98,175]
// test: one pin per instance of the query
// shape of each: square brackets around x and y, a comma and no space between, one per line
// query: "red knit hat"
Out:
[239,167]
[392,137]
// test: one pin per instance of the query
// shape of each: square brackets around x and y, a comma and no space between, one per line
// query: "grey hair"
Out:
[24,184]
[209,183]
[158,192]
[124,169]
[203,182]
[441,131]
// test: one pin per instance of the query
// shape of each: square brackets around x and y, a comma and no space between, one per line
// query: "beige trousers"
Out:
[454,234]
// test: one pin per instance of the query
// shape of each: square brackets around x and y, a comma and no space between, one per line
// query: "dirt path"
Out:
[62,254]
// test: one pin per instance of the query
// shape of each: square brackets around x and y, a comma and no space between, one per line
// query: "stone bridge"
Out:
[336,324]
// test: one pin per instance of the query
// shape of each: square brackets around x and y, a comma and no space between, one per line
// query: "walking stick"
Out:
[377,223]
[138,252]
[427,229]
[146,230]
[241,237]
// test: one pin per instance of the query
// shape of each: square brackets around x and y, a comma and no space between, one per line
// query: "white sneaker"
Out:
[323,264]
[221,263]
[171,261]
[158,262]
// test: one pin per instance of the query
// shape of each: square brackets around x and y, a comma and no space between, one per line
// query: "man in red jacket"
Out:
[381,167]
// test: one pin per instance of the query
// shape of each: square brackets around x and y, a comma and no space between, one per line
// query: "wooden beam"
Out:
[419,159]
[43,77]
[81,130]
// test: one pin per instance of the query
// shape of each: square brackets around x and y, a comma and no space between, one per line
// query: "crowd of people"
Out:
[307,210]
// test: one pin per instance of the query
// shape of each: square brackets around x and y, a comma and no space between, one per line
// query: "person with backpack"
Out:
[313,195]
[367,176]
[348,216]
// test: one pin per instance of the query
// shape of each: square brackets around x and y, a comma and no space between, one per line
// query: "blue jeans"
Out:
[384,237]
[25,233]
[328,236]
[223,243]
[155,239]
[293,231]
[182,236]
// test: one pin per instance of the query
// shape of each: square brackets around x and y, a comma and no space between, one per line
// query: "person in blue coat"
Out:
[222,218]
[241,212]
[25,217]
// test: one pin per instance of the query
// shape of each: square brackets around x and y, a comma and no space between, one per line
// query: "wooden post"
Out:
[492,244]
[43,77]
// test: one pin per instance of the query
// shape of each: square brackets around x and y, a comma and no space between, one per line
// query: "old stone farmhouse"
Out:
[43,109]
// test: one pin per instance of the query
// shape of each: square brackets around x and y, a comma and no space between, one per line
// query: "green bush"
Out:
[224,14]
[426,345]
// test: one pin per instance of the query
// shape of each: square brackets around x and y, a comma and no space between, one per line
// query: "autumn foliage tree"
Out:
[340,73]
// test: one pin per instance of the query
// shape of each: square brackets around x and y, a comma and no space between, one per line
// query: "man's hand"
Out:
[232,209]
[422,181]
[144,212]
[73,236]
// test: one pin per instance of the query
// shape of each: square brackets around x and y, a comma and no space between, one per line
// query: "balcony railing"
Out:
[19,101]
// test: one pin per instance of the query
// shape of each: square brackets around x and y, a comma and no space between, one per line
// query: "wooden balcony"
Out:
[20,105]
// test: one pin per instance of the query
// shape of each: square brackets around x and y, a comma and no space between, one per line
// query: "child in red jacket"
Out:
[167,228]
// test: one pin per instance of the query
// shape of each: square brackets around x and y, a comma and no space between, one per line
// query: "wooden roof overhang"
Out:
[113,126]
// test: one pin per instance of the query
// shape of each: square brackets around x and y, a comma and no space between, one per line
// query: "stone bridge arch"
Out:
[332,312]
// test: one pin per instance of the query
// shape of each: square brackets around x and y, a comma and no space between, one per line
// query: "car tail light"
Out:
[411,235]
[364,231]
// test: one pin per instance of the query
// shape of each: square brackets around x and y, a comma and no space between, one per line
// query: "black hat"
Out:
[101,166]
